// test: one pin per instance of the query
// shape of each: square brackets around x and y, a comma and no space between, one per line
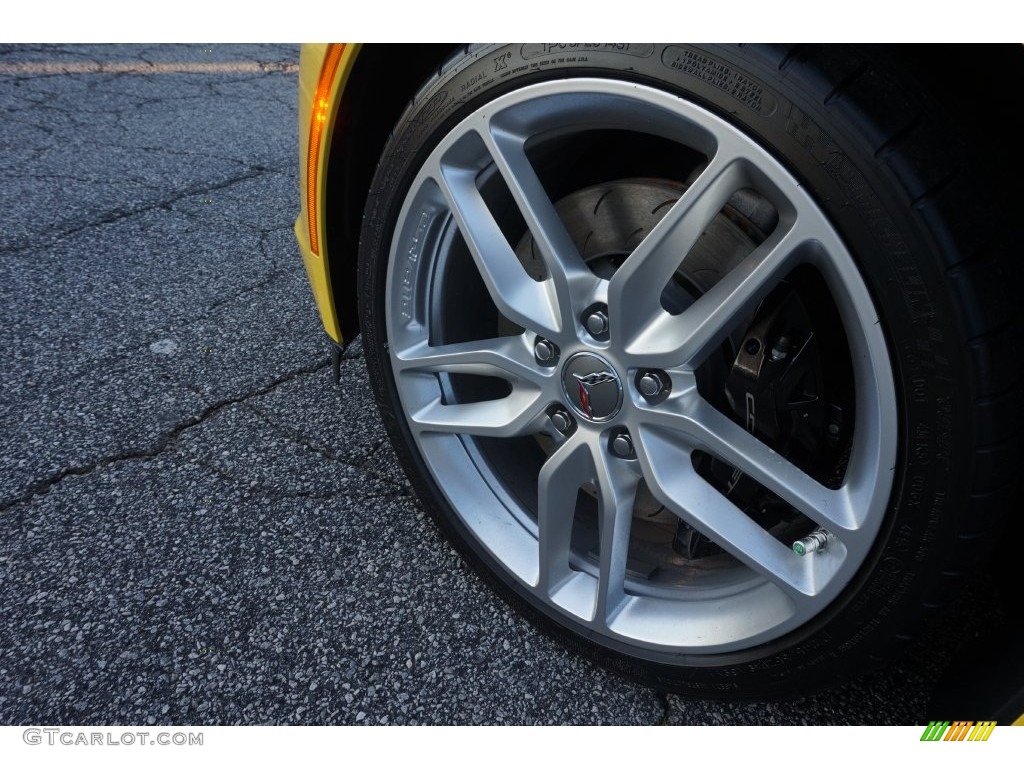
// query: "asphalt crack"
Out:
[274,272]
[113,217]
[665,709]
[47,484]
[271,493]
[329,453]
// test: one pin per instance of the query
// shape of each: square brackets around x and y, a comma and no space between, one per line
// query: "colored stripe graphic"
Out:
[982,730]
[959,730]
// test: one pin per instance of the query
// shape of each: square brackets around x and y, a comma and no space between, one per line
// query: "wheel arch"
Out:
[386,77]
[383,81]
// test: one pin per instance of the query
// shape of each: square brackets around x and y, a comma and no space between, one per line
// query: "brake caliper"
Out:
[774,389]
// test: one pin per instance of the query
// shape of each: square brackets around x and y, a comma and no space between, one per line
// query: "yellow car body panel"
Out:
[311,62]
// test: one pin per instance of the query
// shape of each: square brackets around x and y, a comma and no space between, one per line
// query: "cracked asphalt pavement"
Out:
[196,526]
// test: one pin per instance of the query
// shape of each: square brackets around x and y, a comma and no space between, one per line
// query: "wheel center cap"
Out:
[592,387]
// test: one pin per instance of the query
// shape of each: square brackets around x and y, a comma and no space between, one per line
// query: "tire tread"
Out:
[947,190]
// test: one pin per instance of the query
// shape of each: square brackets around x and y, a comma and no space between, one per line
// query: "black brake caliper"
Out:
[774,389]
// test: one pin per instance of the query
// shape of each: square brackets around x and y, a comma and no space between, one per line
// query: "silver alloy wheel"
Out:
[776,590]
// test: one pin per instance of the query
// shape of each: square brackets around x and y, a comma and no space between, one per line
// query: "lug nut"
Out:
[622,446]
[544,351]
[651,385]
[561,421]
[597,322]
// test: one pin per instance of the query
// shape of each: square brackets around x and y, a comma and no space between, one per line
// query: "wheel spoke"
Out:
[520,413]
[676,484]
[517,296]
[557,488]
[616,487]
[634,294]
[508,357]
[687,339]
[698,425]
[570,278]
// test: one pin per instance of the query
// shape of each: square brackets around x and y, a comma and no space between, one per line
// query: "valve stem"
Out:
[815,542]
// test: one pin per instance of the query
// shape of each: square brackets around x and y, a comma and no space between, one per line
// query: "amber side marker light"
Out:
[316,129]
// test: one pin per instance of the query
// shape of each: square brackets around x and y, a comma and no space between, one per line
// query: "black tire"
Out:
[899,180]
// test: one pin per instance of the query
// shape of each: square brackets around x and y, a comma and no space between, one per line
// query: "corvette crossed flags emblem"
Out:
[587,383]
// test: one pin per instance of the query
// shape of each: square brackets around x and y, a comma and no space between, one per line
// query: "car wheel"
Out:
[679,348]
